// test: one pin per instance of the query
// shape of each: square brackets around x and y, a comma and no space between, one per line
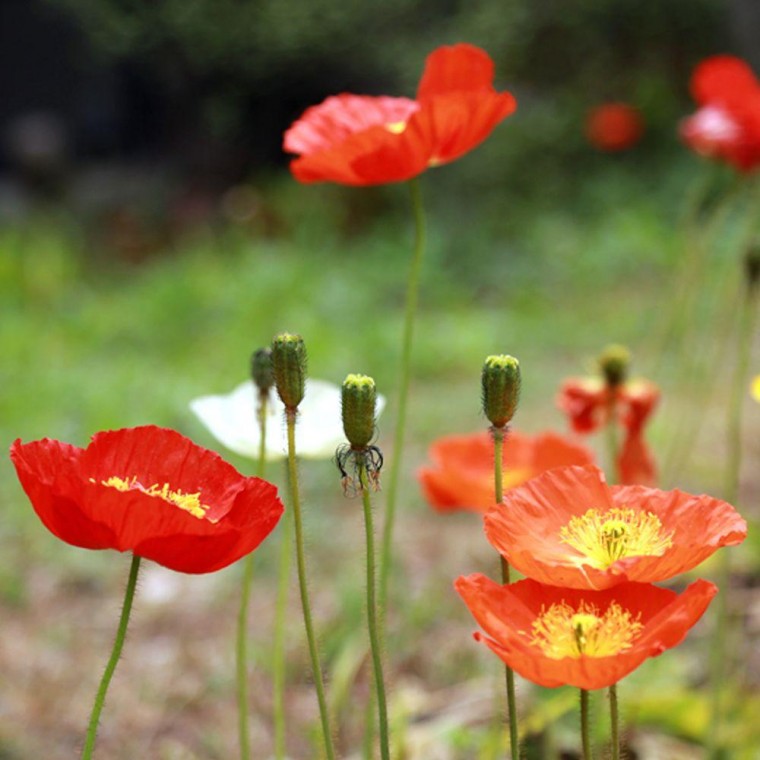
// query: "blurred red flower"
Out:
[369,140]
[151,491]
[587,639]
[614,126]
[727,124]
[567,527]
[462,473]
[587,402]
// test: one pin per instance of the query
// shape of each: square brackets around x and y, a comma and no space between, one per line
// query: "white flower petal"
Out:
[232,420]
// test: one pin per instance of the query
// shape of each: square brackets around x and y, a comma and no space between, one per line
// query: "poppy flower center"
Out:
[605,537]
[189,502]
[562,631]
[397,127]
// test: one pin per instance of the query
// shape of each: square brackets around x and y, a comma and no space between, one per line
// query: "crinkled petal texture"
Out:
[507,614]
[727,125]
[462,473]
[365,140]
[527,529]
[233,420]
[151,491]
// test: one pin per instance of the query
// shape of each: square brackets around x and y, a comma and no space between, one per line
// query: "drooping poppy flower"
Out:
[614,127]
[567,527]
[232,420]
[587,639]
[727,124]
[462,473]
[373,140]
[588,401]
[151,491]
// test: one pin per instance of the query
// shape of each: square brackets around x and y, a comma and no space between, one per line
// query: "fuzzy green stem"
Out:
[242,629]
[403,391]
[585,731]
[290,415]
[747,321]
[121,633]
[372,617]
[498,477]
[278,649]
[614,722]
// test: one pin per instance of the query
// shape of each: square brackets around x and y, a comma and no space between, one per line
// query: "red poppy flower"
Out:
[588,639]
[727,124]
[614,126]
[368,140]
[151,491]
[587,401]
[569,528]
[461,476]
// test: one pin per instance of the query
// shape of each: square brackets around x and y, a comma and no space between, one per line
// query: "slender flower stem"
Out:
[278,653]
[121,633]
[242,629]
[498,476]
[372,617]
[585,732]
[290,415]
[614,722]
[747,321]
[403,391]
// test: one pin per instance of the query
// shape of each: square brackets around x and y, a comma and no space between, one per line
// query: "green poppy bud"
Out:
[359,397]
[501,388]
[613,363]
[261,369]
[289,368]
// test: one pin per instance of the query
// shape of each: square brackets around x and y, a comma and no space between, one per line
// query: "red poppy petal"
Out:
[722,79]
[635,463]
[48,473]
[455,124]
[327,125]
[456,68]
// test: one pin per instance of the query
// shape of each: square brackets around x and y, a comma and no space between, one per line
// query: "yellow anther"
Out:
[603,538]
[397,127]
[189,502]
[562,631]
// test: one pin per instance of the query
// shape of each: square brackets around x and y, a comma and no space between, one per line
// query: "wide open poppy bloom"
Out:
[462,474]
[587,402]
[567,527]
[588,639]
[727,124]
[369,140]
[151,491]
[614,126]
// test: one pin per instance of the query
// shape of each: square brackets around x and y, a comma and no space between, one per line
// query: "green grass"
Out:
[89,341]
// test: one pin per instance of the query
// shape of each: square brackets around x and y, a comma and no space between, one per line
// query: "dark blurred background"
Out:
[197,93]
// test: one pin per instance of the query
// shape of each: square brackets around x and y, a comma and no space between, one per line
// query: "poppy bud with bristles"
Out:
[289,368]
[358,401]
[261,369]
[613,363]
[501,388]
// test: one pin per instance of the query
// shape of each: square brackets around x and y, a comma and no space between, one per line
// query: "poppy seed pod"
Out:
[501,388]
[289,368]
[358,400]
[614,362]
[261,369]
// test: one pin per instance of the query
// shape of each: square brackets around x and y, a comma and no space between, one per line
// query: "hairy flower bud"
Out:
[358,399]
[261,369]
[501,388]
[613,363]
[289,368]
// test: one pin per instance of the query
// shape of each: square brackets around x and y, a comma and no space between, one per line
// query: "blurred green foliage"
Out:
[265,60]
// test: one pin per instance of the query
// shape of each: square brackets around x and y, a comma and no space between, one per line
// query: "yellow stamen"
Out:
[562,631]
[190,502]
[605,537]
[397,127]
